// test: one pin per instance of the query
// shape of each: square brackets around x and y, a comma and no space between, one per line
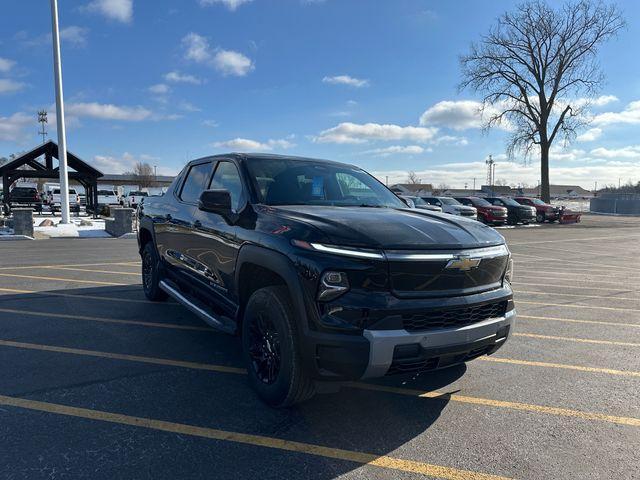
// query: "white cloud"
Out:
[159,89]
[348,132]
[211,123]
[590,135]
[227,62]
[233,63]
[458,115]
[13,128]
[6,65]
[346,80]
[630,115]
[74,35]
[451,140]
[177,77]
[230,4]
[603,100]
[396,149]
[118,10]
[248,145]
[107,111]
[629,152]
[122,163]
[188,107]
[10,86]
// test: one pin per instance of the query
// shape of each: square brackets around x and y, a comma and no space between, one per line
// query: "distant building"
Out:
[412,188]
[559,191]
[460,192]
[497,191]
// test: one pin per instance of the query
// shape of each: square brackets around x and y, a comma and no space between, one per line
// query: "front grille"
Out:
[453,317]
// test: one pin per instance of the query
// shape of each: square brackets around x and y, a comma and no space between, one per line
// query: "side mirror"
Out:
[215,201]
[408,202]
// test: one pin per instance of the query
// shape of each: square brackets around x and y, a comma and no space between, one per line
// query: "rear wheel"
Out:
[271,350]
[151,274]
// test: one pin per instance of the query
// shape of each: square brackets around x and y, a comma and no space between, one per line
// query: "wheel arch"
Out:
[259,267]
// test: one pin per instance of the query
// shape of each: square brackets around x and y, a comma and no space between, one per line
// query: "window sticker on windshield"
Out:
[317,187]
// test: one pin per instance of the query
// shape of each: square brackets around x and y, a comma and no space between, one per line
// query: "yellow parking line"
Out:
[121,356]
[58,279]
[91,270]
[571,305]
[26,267]
[579,340]
[574,320]
[577,281]
[561,261]
[608,371]
[105,320]
[572,239]
[579,287]
[526,407]
[241,371]
[381,461]
[85,297]
[558,294]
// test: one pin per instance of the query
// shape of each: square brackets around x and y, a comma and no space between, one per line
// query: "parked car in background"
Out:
[544,211]
[288,253]
[25,197]
[452,206]
[107,197]
[133,199]
[417,202]
[516,213]
[54,200]
[487,213]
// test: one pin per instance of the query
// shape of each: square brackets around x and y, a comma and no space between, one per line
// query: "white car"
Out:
[452,206]
[134,198]
[107,197]
[417,202]
[54,200]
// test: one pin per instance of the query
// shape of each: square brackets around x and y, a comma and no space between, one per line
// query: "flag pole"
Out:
[62,135]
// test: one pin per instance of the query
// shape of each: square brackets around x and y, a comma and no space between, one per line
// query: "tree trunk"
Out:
[544,172]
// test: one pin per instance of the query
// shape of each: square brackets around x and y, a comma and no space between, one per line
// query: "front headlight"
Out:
[508,274]
[332,285]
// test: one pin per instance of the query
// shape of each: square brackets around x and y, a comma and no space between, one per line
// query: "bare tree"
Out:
[143,173]
[537,71]
[412,178]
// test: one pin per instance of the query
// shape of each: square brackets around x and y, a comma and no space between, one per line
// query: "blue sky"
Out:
[370,82]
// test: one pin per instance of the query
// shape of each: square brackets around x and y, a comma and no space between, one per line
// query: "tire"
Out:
[540,217]
[151,274]
[271,350]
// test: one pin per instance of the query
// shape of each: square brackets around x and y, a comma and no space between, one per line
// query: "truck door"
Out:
[174,231]
[214,243]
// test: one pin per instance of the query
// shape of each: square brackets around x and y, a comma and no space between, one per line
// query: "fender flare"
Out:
[282,266]
[145,223]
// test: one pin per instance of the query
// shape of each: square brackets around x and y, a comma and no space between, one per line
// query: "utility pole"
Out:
[386,180]
[474,183]
[62,134]
[42,119]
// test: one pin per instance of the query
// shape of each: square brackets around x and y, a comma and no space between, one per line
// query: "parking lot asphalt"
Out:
[96,382]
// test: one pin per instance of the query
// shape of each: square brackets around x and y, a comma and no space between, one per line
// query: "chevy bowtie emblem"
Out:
[463,263]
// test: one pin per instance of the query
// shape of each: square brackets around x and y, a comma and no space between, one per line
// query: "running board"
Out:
[223,324]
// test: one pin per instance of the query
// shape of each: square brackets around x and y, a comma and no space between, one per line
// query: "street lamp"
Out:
[62,136]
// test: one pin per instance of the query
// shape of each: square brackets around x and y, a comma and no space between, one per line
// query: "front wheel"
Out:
[540,218]
[151,274]
[271,350]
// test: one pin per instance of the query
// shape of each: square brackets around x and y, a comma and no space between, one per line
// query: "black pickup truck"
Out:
[324,273]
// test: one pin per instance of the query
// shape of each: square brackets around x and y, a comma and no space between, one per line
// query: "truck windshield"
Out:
[297,182]
[480,202]
[449,201]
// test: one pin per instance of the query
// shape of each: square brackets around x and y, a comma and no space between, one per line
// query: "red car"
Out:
[544,211]
[487,213]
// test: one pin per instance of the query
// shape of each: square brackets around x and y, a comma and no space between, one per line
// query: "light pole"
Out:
[62,135]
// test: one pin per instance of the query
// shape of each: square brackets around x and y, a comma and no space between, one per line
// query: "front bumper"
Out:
[434,349]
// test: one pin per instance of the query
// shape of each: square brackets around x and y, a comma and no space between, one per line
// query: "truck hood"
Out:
[389,228]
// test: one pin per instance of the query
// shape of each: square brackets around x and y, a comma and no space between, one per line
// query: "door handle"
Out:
[197,224]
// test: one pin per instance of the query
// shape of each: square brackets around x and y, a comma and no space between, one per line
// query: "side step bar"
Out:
[223,324]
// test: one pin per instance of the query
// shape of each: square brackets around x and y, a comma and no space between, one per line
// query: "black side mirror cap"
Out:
[216,201]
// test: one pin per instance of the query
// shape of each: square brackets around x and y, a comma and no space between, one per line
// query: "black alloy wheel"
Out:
[264,348]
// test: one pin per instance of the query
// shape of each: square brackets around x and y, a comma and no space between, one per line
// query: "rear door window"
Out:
[195,182]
